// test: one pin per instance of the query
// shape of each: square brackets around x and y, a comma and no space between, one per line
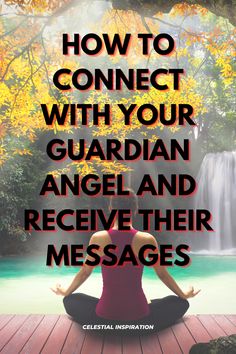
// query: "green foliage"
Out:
[19,185]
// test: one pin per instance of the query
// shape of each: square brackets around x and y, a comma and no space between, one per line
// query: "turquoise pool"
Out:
[25,284]
[201,266]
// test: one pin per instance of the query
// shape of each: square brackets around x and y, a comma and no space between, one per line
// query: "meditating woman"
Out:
[123,300]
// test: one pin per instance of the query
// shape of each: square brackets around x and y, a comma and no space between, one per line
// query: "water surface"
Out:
[25,284]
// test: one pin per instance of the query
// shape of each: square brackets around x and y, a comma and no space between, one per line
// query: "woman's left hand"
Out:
[191,293]
[58,290]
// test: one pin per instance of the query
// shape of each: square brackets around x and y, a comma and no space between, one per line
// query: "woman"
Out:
[123,300]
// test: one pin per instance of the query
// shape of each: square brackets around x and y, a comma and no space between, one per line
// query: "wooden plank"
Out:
[74,340]
[4,319]
[150,344]
[232,319]
[17,342]
[225,324]
[168,342]
[58,336]
[40,335]
[131,345]
[211,326]
[197,330]
[112,344]
[53,334]
[93,344]
[183,336]
[10,329]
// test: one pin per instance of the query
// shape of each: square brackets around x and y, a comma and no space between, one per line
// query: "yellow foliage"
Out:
[22,152]
[184,9]
[28,62]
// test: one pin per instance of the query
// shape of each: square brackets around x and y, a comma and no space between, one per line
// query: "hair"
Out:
[120,202]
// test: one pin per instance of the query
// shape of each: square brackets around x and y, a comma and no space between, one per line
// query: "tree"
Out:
[24,45]
[223,8]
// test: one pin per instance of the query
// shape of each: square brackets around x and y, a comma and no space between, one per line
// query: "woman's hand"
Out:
[58,290]
[78,280]
[191,292]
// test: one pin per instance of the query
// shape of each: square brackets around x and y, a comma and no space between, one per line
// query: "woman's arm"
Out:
[162,272]
[85,271]
[167,279]
[78,280]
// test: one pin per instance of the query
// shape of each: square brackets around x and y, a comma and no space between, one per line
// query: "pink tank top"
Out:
[122,296]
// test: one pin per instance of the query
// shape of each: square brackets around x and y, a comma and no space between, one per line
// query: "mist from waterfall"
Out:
[217,193]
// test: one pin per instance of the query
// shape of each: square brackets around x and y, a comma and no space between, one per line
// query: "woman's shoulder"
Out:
[143,234]
[100,238]
[145,237]
[100,234]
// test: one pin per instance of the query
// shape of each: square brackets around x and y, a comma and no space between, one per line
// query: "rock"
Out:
[222,345]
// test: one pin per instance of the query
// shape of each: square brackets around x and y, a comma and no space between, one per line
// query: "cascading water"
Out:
[217,193]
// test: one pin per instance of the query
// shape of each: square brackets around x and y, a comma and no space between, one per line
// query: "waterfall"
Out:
[217,193]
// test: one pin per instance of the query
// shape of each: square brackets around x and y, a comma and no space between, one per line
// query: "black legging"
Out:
[163,312]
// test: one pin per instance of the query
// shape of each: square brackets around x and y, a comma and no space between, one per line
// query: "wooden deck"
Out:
[54,334]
